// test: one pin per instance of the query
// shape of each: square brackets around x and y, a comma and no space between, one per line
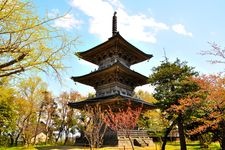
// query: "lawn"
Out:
[169,146]
[191,146]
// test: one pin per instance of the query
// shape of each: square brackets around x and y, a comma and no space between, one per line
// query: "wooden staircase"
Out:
[138,137]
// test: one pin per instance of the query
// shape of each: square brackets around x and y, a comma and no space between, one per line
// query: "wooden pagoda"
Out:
[113,81]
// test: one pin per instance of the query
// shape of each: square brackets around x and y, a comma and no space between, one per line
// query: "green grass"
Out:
[191,146]
[18,148]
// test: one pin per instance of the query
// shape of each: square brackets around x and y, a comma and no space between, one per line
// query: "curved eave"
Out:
[85,79]
[111,100]
[88,55]
[135,49]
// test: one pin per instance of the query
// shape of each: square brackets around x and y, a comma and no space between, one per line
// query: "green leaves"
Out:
[171,81]
[7,107]
[28,42]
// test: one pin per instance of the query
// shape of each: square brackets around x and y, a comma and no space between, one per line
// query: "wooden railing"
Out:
[133,133]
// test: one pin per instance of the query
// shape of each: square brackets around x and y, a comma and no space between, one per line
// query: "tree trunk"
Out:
[47,126]
[89,139]
[59,135]
[62,126]
[37,126]
[66,136]
[166,134]
[131,142]
[17,137]
[11,139]
[181,132]
[101,140]
[66,139]
[222,133]
[222,144]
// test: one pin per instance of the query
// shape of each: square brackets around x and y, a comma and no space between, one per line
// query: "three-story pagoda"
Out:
[114,81]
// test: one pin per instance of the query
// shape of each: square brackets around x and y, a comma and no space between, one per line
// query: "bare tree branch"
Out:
[21,57]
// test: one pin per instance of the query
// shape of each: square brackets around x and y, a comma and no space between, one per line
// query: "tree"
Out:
[215,51]
[8,114]
[151,120]
[210,104]
[171,82]
[6,106]
[67,117]
[93,125]
[146,96]
[26,40]
[30,96]
[123,119]
[46,111]
[154,122]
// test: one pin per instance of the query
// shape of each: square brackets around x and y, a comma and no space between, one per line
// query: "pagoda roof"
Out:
[137,78]
[116,100]
[112,44]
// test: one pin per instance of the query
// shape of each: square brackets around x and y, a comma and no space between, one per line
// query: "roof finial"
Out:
[114,24]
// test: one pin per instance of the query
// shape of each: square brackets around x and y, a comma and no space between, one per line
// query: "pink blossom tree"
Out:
[123,119]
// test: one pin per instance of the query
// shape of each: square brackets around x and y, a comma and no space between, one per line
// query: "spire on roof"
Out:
[114,24]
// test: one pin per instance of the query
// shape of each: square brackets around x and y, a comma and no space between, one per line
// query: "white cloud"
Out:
[180,29]
[67,22]
[139,27]
[147,88]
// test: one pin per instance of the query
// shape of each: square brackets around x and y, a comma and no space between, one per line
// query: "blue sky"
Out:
[180,28]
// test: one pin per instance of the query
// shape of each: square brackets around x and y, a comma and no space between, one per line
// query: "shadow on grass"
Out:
[61,148]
